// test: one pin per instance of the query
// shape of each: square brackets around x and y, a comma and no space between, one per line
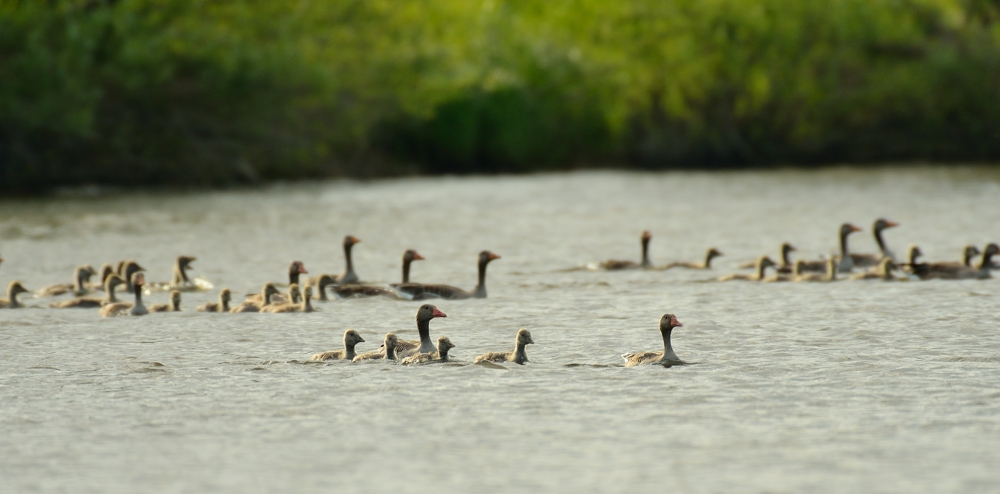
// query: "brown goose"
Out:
[947,271]
[830,275]
[349,276]
[14,289]
[179,272]
[128,309]
[304,306]
[130,268]
[421,292]
[665,357]
[295,269]
[110,284]
[712,253]
[786,264]
[846,263]
[79,287]
[870,260]
[615,264]
[762,264]
[883,272]
[265,297]
[360,291]
[225,296]
[441,355]
[351,339]
[105,271]
[408,257]
[518,355]
[946,268]
[387,352]
[173,306]
[425,313]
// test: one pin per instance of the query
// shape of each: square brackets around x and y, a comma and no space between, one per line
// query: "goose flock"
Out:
[128,276]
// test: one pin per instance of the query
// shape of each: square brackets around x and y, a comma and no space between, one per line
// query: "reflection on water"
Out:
[847,386]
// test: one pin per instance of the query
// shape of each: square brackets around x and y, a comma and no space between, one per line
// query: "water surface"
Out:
[843,387]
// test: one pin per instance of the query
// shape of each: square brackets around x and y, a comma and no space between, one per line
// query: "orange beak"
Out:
[493,256]
[438,313]
[417,256]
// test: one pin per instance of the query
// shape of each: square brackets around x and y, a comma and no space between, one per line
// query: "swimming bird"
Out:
[425,291]
[948,271]
[14,289]
[387,352]
[131,309]
[408,257]
[882,272]
[616,264]
[712,253]
[173,306]
[762,264]
[425,313]
[348,276]
[351,339]
[81,278]
[110,285]
[295,269]
[665,357]
[830,275]
[221,306]
[441,355]
[265,295]
[518,355]
[129,268]
[869,260]
[304,306]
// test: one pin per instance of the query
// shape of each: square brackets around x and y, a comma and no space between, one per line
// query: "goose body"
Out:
[388,351]
[79,287]
[14,289]
[617,265]
[518,355]
[225,296]
[110,285]
[426,312]
[872,260]
[666,356]
[882,272]
[441,355]
[830,275]
[126,309]
[948,271]
[265,295]
[304,306]
[417,291]
[295,270]
[173,306]
[351,339]
[712,253]
[759,274]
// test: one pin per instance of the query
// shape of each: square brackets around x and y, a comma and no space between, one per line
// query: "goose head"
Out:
[668,322]
[351,337]
[524,337]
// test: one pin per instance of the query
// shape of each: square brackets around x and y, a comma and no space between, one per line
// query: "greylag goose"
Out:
[349,276]
[323,281]
[81,278]
[351,339]
[518,355]
[425,313]
[173,306]
[359,291]
[420,291]
[105,271]
[947,271]
[130,268]
[179,279]
[441,355]
[14,289]
[387,352]
[830,275]
[265,296]
[882,272]
[295,269]
[785,267]
[110,285]
[304,306]
[870,260]
[615,264]
[122,308]
[408,257]
[846,263]
[665,357]
[225,296]
[712,253]
[762,264]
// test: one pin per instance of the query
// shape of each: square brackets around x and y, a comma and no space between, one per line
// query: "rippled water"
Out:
[843,387]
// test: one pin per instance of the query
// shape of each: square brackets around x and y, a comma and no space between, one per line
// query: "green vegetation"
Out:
[216,92]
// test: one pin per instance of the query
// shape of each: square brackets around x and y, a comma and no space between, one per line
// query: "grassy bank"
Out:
[200,92]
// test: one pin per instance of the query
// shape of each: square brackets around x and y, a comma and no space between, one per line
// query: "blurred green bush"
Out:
[214,92]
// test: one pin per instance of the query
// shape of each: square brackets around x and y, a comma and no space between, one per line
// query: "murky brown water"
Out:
[843,387]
